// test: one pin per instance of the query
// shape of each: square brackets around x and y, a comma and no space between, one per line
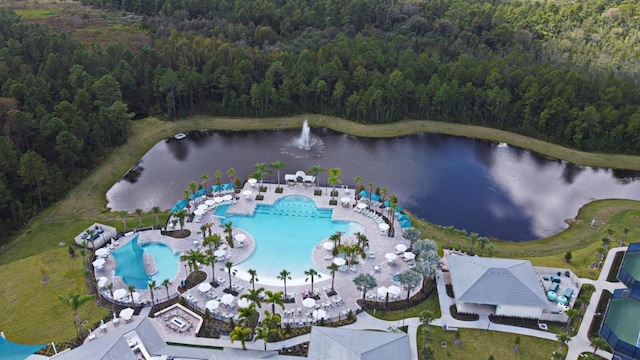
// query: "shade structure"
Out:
[409,255]
[390,256]
[15,351]
[241,237]
[102,281]
[227,198]
[401,247]
[364,194]
[102,252]
[246,192]
[119,294]
[199,212]
[98,262]
[219,253]
[243,302]
[212,304]
[319,314]
[345,200]
[361,205]
[309,302]
[339,261]
[382,291]
[204,287]
[217,199]
[209,202]
[394,290]
[328,245]
[227,299]
[252,181]
[203,207]
[383,226]
[126,313]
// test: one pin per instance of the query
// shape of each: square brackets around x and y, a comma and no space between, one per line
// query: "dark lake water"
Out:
[494,190]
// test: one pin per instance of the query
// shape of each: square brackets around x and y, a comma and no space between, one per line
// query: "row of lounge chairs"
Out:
[372,214]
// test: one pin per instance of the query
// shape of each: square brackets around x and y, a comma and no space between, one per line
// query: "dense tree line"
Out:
[564,72]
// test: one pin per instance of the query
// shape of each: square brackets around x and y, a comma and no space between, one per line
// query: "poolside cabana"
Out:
[96,236]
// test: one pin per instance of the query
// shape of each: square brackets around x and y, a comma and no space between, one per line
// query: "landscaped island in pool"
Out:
[130,263]
[285,234]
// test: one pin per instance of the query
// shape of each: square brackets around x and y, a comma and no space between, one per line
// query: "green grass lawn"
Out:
[31,310]
[430,304]
[38,318]
[480,344]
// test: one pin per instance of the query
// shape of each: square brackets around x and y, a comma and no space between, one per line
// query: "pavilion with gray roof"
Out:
[503,287]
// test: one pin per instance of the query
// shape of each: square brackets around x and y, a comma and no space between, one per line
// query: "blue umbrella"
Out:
[215,188]
[386,203]
[376,197]
[364,194]
[201,192]
[403,217]
[227,186]
[405,224]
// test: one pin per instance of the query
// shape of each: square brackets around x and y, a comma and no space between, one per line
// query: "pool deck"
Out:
[375,264]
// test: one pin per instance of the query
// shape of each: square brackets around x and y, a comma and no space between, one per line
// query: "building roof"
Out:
[350,344]
[492,281]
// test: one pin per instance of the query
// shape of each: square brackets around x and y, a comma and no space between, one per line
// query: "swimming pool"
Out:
[129,263]
[285,234]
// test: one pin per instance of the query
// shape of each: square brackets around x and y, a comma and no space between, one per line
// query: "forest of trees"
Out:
[563,72]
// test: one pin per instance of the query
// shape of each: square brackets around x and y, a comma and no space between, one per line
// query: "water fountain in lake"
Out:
[304,146]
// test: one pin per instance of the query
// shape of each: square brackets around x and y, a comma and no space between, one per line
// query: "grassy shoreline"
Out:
[86,204]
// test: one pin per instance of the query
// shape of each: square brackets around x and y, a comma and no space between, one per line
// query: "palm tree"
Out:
[218,175]
[333,268]
[409,280]
[75,301]
[228,229]
[482,242]
[598,343]
[209,226]
[274,298]
[563,338]
[212,241]
[139,214]
[571,313]
[211,259]
[311,273]
[261,171]
[248,315]
[166,283]
[278,165]
[254,278]
[181,215]
[192,257]
[334,174]
[605,242]
[625,231]
[156,211]
[110,288]
[204,179]
[262,333]
[131,289]
[271,320]
[364,283]
[315,170]
[240,333]
[583,299]
[203,230]
[371,185]
[336,238]
[489,248]
[232,175]
[152,286]
[193,187]
[384,191]
[284,275]
[473,237]
[254,296]
[229,265]
[123,215]
[185,196]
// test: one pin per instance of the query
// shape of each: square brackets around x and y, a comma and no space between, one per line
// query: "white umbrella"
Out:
[252,181]
[241,237]
[119,294]
[361,205]
[203,207]
[102,281]
[136,296]
[98,262]
[339,261]
[212,304]
[219,253]
[227,299]
[409,255]
[328,245]
[217,199]
[199,212]
[102,252]
[394,290]
[401,247]
[319,314]
[227,198]
[204,287]
[345,200]
[382,291]
[246,192]
[209,202]
[383,226]
[390,256]
[126,313]
[243,302]
[309,302]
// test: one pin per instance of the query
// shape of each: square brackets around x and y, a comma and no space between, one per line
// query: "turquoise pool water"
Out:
[129,264]
[286,233]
